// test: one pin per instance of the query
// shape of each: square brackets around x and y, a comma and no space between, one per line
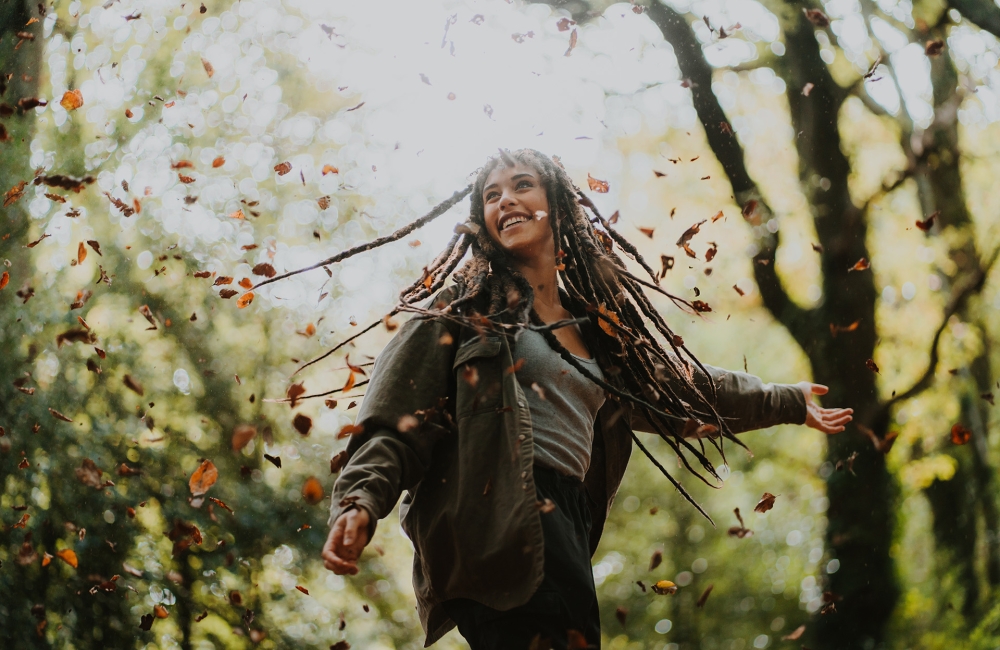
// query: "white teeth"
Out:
[513,220]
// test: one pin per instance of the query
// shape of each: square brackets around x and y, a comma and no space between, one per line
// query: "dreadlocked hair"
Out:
[653,377]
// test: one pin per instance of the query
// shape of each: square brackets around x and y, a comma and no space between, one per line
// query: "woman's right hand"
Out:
[347,538]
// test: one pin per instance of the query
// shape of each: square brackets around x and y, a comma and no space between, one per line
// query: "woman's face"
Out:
[516,211]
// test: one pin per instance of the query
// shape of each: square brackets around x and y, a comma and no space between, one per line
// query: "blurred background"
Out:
[844,155]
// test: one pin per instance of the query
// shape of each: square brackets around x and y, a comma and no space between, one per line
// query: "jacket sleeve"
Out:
[743,401]
[403,414]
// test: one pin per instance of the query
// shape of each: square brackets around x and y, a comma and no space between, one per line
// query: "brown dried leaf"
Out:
[766,503]
[133,384]
[264,269]
[59,416]
[209,70]
[68,556]
[203,478]
[860,265]
[817,17]
[338,461]
[218,162]
[283,168]
[689,233]
[302,423]
[242,435]
[960,435]
[597,185]
[704,596]
[244,300]
[656,559]
[89,474]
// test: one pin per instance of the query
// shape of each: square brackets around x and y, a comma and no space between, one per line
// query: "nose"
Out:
[506,201]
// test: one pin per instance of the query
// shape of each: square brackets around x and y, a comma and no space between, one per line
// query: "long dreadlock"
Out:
[654,379]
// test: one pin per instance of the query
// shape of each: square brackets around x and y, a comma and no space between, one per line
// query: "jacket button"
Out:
[521,437]
[524,474]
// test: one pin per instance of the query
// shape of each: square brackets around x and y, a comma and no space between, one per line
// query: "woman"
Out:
[506,412]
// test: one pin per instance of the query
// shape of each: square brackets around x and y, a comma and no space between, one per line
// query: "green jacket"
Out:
[465,462]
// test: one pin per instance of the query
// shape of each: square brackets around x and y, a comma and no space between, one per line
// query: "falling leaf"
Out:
[330,169]
[795,634]
[4,279]
[704,596]
[312,491]
[14,193]
[656,559]
[960,435]
[68,556]
[133,384]
[218,162]
[244,300]
[928,223]
[349,430]
[738,290]
[302,589]
[658,174]
[647,231]
[283,168]
[237,215]
[146,622]
[222,279]
[710,253]
[37,241]
[89,474]
[226,294]
[274,460]
[597,185]
[689,233]
[338,461]
[700,306]
[665,587]
[71,100]
[572,42]
[871,365]
[564,24]
[302,423]
[934,48]
[860,265]
[209,70]
[718,215]
[160,611]
[203,478]
[836,329]
[187,180]
[81,253]
[817,17]
[621,613]
[264,269]
[59,416]
[766,503]
[242,435]
[806,89]
[607,327]
[740,531]
[882,445]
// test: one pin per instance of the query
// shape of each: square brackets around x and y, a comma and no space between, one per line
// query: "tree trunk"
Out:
[860,518]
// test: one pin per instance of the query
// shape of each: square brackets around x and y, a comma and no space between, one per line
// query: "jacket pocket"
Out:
[477,376]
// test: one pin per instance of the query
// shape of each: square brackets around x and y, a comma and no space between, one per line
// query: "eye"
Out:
[525,182]
[491,194]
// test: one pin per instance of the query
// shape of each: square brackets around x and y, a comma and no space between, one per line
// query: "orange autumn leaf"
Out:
[203,478]
[47,559]
[330,169]
[349,430]
[68,556]
[960,435]
[209,69]
[81,253]
[302,589]
[605,325]
[246,283]
[218,162]
[244,300]
[597,185]
[647,231]
[242,435]
[237,215]
[860,265]
[283,168]
[4,279]
[160,611]
[71,100]
[312,491]
[350,382]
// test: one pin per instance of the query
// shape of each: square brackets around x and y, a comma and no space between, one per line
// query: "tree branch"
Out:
[961,294]
[438,210]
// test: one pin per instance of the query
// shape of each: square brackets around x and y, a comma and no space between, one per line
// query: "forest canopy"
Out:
[817,177]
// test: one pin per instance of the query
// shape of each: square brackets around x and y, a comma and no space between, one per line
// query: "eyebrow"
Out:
[513,178]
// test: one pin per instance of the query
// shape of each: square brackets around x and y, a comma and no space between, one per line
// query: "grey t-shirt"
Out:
[562,402]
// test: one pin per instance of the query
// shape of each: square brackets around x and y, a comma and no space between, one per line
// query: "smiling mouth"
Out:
[513,219]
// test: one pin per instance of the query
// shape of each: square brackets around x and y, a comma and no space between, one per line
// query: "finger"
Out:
[819,389]
[350,528]
[842,418]
[341,567]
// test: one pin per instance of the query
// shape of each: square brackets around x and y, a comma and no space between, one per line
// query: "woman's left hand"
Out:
[828,421]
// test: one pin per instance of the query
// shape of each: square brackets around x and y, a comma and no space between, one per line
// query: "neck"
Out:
[540,272]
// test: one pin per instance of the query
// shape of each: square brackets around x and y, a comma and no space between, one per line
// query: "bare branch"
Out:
[972,285]
[438,210]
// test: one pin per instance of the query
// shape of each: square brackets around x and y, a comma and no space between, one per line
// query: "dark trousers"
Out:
[563,611]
